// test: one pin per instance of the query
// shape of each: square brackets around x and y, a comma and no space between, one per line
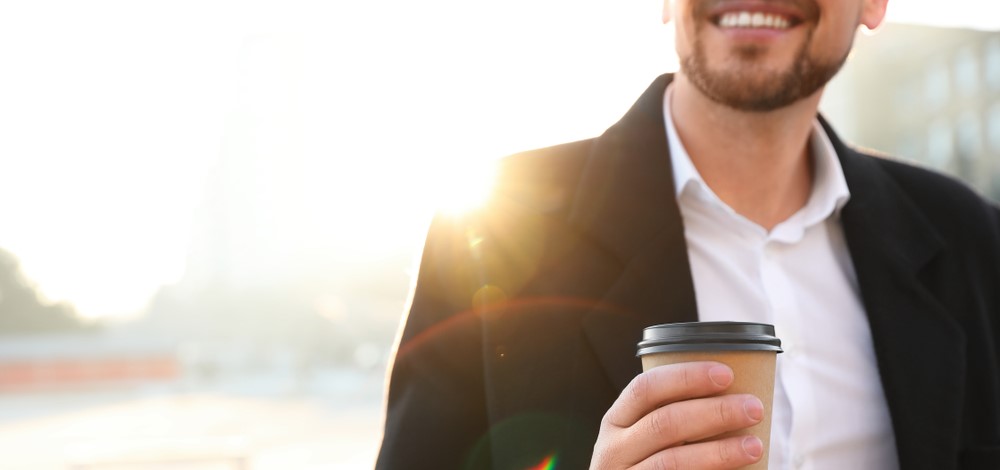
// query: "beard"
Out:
[751,87]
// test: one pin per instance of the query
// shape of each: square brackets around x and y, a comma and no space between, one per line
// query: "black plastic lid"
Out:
[708,336]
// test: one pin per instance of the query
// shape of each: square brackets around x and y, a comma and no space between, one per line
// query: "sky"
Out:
[115,115]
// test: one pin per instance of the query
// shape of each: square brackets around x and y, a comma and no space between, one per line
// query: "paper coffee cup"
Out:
[750,349]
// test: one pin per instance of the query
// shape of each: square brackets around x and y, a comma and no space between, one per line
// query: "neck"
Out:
[756,162]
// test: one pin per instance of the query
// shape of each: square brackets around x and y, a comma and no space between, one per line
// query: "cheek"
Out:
[681,43]
[843,26]
[683,21]
[834,32]
[833,40]
[683,36]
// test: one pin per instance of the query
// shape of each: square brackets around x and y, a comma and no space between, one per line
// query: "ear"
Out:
[667,11]
[873,13]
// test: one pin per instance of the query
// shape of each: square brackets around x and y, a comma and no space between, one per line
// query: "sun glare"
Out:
[463,187]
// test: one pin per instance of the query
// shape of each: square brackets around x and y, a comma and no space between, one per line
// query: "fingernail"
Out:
[754,408]
[721,375]
[753,447]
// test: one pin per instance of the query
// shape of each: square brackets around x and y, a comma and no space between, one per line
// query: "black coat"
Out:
[525,315]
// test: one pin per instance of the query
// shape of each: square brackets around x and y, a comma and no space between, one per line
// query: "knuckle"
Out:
[665,422]
[656,422]
[609,423]
[638,390]
[606,420]
[666,461]
[722,408]
[724,452]
[688,378]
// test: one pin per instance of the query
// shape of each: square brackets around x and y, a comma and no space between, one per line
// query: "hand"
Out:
[655,418]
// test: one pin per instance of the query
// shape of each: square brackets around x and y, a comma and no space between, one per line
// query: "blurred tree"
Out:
[21,308]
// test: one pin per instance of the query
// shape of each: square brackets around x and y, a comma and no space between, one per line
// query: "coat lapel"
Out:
[626,203]
[919,347]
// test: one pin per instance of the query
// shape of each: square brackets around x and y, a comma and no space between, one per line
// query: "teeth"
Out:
[746,19]
[743,20]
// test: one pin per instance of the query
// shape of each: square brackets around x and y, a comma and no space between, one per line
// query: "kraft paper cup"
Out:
[750,349]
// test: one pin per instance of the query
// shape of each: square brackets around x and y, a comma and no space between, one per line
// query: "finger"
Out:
[723,454]
[666,384]
[689,421]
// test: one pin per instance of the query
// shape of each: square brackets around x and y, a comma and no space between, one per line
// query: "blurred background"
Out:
[212,210]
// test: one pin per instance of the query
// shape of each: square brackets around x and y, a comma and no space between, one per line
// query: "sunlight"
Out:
[462,187]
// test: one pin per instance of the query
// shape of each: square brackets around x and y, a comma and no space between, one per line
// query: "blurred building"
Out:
[75,361]
[926,94]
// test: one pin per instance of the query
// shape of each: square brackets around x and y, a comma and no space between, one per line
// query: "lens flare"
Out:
[548,463]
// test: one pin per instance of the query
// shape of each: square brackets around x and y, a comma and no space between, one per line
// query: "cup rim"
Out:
[708,336]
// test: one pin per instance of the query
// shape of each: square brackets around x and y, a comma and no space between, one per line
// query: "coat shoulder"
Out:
[948,203]
[542,180]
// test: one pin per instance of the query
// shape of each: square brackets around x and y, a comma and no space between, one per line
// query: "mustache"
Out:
[806,9]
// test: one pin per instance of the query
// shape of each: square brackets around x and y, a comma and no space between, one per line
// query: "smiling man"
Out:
[721,195]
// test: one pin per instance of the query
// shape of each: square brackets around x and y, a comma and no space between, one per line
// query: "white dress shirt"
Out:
[829,409]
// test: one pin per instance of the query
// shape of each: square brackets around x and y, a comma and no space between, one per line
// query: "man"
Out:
[719,196]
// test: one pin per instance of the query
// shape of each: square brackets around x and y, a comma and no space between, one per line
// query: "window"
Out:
[966,71]
[936,84]
[967,135]
[967,145]
[906,95]
[940,143]
[909,146]
[993,128]
[992,62]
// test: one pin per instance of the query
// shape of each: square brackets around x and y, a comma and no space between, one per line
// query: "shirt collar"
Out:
[684,170]
[829,192]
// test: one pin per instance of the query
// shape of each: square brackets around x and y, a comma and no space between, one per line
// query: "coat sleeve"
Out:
[436,414]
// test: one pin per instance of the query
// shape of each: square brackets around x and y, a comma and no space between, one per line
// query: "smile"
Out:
[754,20]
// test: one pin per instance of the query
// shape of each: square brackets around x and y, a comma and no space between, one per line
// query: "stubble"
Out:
[749,86]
